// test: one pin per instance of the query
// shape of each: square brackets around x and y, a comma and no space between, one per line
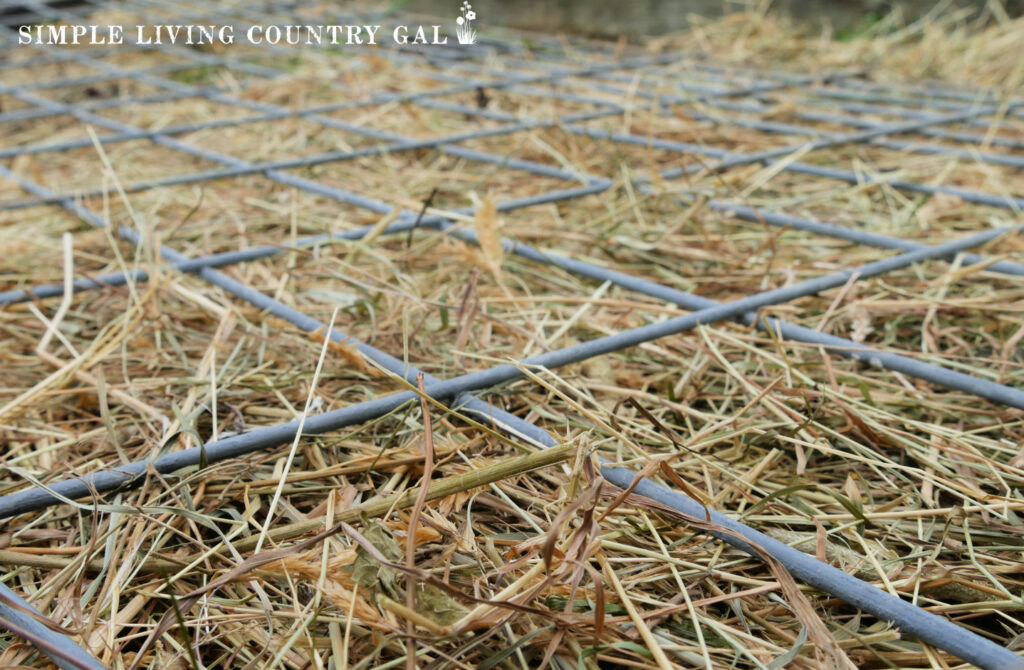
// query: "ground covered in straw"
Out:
[910,487]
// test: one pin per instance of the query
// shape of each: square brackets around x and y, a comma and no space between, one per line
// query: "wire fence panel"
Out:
[668,130]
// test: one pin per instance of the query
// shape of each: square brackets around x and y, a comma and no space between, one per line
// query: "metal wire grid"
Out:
[715,89]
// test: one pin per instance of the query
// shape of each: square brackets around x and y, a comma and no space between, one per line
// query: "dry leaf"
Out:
[367,571]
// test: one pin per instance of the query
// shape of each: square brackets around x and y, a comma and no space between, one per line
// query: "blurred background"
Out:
[640,18]
[635,19]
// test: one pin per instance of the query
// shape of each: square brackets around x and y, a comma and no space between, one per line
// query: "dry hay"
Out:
[912,488]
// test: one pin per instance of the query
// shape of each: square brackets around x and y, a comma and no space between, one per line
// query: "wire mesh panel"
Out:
[777,308]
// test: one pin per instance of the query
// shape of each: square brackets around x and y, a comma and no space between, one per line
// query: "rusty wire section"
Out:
[458,211]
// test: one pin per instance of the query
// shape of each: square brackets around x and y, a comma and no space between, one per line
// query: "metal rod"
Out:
[781,220]
[728,159]
[847,348]
[928,627]
[931,373]
[906,364]
[742,308]
[16,614]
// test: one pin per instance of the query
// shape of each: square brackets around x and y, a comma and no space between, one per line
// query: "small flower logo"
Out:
[464,32]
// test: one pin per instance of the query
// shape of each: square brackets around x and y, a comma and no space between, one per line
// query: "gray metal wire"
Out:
[728,159]
[16,615]
[739,210]
[844,346]
[716,97]
[927,627]
[806,111]
[707,312]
